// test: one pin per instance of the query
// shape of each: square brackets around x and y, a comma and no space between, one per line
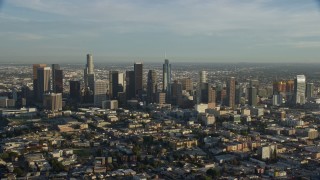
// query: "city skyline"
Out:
[38,31]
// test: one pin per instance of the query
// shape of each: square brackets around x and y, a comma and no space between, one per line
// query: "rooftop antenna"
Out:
[165,55]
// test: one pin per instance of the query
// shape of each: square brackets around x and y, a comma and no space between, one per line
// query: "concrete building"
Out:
[100,92]
[231,92]
[110,104]
[187,84]
[161,98]
[268,152]
[52,102]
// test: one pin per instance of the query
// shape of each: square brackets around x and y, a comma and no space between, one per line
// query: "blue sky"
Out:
[187,30]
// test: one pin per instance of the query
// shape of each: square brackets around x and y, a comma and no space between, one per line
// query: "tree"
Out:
[136,150]
[18,171]
[213,172]
[56,165]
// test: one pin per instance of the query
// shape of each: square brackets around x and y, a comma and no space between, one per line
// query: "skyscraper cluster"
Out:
[48,85]
[122,87]
[294,92]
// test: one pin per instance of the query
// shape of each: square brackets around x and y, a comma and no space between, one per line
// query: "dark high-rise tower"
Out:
[152,86]
[75,91]
[130,91]
[252,96]
[35,79]
[57,79]
[176,94]
[138,79]
[166,78]
[43,79]
[113,84]
[310,91]
[231,92]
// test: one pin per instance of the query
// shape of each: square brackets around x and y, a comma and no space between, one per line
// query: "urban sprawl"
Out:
[159,121]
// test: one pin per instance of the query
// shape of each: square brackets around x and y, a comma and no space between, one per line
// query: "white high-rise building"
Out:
[300,89]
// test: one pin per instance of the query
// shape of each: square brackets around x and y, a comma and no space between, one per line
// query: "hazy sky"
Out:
[187,30]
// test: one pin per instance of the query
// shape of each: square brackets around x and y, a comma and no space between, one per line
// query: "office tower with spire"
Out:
[152,86]
[43,82]
[166,78]
[138,79]
[89,76]
[231,92]
[57,79]
[300,89]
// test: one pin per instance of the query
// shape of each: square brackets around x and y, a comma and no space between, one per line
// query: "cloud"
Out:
[184,25]
[28,36]
[185,17]
[307,44]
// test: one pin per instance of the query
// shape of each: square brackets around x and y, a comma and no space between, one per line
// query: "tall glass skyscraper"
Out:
[35,79]
[152,86]
[166,78]
[300,89]
[43,85]
[231,92]
[202,92]
[138,79]
[57,79]
[90,65]
[89,72]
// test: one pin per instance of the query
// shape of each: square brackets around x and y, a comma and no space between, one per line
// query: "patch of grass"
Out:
[83,152]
